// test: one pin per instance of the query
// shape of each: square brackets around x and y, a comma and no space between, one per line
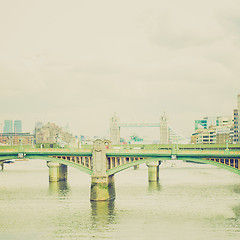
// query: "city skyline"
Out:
[78,62]
[142,132]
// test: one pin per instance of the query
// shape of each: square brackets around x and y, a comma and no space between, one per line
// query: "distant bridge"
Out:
[167,133]
[102,163]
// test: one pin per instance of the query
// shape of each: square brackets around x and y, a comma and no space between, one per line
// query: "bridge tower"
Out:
[164,130]
[102,185]
[115,129]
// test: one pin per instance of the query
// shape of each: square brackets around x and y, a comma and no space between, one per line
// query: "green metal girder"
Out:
[87,154]
[131,164]
[221,165]
[4,158]
[135,154]
[154,159]
[13,154]
[62,161]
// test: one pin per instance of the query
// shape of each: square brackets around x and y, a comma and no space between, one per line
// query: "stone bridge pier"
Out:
[153,171]
[57,172]
[102,185]
[2,165]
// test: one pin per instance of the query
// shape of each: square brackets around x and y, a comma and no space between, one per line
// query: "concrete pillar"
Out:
[102,186]
[62,172]
[57,172]
[153,171]
[136,167]
[2,166]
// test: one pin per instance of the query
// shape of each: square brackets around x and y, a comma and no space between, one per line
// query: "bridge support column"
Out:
[102,188]
[102,185]
[136,167]
[153,171]
[57,172]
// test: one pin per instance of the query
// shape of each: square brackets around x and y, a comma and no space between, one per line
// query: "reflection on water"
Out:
[191,201]
[59,188]
[103,213]
[154,186]
[236,210]
[236,189]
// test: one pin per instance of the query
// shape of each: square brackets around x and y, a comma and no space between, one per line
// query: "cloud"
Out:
[79,62]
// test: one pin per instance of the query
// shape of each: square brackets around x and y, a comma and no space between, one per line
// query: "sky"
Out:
[76,62]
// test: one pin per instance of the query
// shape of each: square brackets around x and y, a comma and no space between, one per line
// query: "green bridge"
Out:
[102,163]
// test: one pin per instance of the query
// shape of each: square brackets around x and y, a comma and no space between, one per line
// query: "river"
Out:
[191,202]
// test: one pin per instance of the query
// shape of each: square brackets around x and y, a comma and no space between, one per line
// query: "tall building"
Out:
[238,106]
[211,130]
[18,126]
[164,130]
[235,126]
[8,126]
[207,122]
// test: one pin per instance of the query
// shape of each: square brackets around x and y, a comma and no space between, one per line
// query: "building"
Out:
[224,135]
[50,133]
[207,122]
[235,126]
[17,139]
[8,126]
[238,107]
[204,136]
[18,126]
[210,130]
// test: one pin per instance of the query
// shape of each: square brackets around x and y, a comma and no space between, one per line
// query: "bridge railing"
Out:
[56,150]
[132,151]
[201,151]
[9,150]
[137,151]
[44,150]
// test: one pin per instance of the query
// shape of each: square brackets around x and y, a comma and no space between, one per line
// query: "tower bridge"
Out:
[102,163]
[167,133]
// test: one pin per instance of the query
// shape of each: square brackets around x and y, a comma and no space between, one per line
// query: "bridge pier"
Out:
[2,166]
[57,172]
[136,167]
[102,188]
[153,171]
[102,185]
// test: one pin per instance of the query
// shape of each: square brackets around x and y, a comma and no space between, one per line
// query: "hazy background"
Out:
[79,61]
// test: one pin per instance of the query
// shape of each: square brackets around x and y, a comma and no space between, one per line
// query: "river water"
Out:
[191,201]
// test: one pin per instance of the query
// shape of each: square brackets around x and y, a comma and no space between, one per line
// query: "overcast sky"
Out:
[79,61]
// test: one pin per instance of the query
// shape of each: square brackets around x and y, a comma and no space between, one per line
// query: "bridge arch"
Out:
[131,164]
[217,164]
[53,159]
[155,159]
